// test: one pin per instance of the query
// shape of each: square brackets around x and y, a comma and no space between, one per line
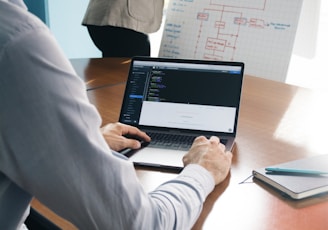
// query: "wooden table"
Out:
[278,123]
[99,72]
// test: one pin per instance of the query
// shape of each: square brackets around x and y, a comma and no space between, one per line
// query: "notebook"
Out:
[175,100]
[298,185]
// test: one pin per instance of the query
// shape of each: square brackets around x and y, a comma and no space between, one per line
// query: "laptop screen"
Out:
[183,94]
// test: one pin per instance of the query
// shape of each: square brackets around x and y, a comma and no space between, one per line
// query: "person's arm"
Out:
[56,152]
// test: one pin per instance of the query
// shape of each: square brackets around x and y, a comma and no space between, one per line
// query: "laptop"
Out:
[176,100]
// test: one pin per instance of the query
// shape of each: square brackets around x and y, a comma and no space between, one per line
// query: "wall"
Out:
[65,19]
[39,8]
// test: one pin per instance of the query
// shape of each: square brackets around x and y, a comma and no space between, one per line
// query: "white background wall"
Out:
[65,17]
[308,65]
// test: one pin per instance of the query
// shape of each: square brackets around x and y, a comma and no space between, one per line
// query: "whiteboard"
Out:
[260,33]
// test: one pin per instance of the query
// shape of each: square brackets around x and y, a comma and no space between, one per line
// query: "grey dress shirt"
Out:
[51,146]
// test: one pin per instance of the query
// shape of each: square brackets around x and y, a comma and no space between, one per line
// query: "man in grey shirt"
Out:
[52,146]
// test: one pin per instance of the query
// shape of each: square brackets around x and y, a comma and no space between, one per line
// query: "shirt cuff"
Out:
[201,176]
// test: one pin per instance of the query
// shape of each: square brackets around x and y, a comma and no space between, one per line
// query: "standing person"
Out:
[52,147]
[120,28]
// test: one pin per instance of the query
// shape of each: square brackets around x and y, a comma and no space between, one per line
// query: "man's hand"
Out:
[115,136]
[210,154]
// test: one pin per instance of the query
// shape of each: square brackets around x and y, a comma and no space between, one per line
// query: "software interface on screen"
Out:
[183,95]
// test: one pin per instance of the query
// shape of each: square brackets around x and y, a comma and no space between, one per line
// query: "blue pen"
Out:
[299,171]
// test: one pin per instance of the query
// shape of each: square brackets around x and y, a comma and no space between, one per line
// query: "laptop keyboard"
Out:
[172,141]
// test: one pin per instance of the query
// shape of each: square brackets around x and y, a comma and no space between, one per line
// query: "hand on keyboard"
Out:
[116,135]
[210,154]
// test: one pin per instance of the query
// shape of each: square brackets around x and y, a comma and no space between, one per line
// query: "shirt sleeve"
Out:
[53,148]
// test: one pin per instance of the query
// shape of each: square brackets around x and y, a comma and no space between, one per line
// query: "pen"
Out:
[297,171]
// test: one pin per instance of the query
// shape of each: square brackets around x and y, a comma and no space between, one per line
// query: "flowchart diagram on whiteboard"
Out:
[260,33]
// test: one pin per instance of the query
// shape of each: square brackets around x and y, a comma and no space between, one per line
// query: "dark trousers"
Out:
[119,42]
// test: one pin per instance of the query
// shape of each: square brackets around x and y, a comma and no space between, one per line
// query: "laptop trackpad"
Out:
[158,157]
